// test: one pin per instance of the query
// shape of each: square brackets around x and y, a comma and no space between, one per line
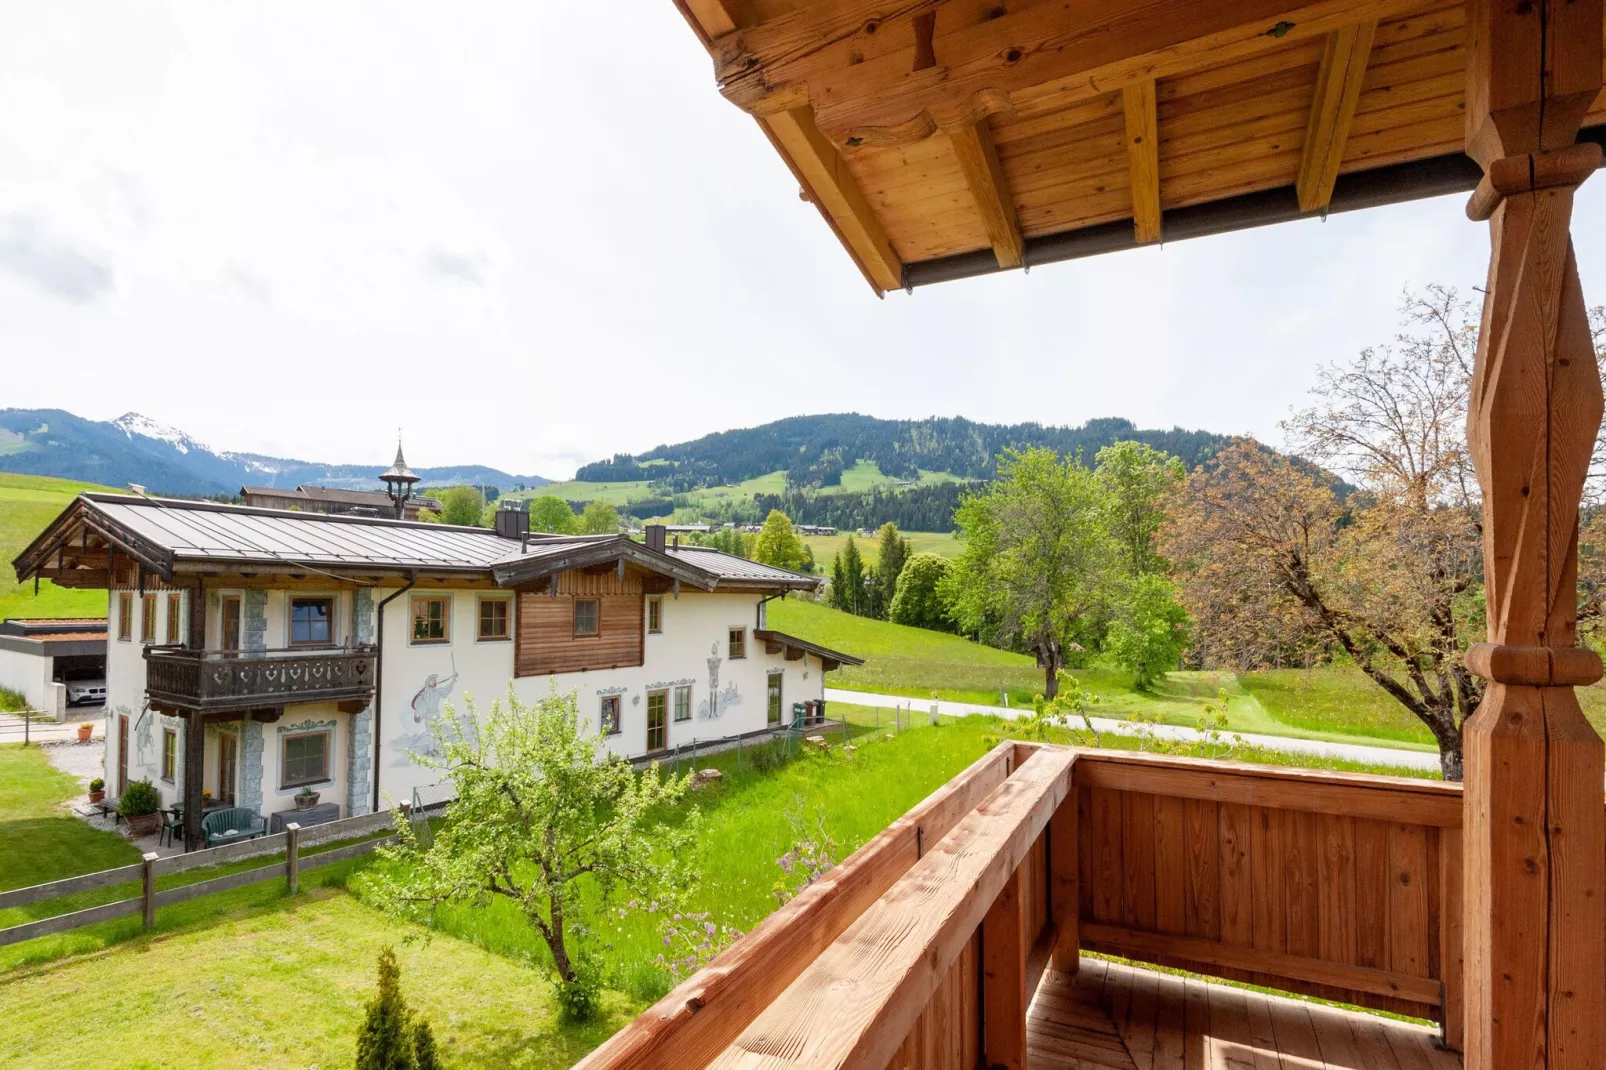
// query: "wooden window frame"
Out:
[328,735]
[775,687]
[479,618]
[445,638]
[596,618]
[169,754]
[736,640]
[663,694]
[175,618]
[604,726]
[147,619]
[655,615]
[290,619]
[682,691]
[125,617]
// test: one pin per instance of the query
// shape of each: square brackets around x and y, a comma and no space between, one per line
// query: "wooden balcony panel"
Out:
[219,680]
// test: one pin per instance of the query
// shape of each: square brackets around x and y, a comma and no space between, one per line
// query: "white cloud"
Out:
[328,220]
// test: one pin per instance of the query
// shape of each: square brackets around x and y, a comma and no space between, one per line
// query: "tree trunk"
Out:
[1051,660]
[554,943]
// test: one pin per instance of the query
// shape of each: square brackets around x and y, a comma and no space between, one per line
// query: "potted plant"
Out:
[84,730]
[206,797]
[139,806]
[306,799]
[97,790]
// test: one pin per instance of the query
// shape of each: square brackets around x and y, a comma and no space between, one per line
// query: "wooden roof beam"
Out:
[978,159]
[1143,158]
[831,186]
[856,59]
[1338,88]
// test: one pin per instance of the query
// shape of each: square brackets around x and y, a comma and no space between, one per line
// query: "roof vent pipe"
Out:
[655,537]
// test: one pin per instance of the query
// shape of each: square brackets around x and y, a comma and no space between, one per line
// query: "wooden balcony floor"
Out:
[1113,1017]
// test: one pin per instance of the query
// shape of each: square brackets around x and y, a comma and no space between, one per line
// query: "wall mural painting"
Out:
[424,711]
[717,702]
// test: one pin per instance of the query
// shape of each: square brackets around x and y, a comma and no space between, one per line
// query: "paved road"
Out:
[12,726]
[1413,759]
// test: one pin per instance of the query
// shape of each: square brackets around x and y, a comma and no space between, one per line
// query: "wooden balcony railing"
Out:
[925,947]
[219,680]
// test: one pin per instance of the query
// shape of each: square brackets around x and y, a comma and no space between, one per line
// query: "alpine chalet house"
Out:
[257,653]
[944,139]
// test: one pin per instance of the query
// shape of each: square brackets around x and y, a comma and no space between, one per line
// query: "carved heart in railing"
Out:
[219,676]
[270,675]
[296,672]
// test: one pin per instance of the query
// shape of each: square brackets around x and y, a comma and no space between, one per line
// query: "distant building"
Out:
[54,663]
[333,502]
[815,529]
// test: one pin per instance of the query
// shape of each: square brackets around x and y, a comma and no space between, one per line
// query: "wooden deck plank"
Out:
[1111,1016]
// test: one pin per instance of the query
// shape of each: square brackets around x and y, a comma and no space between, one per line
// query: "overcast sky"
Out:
[532,237]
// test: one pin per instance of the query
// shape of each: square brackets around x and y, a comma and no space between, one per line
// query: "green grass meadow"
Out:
[27,505]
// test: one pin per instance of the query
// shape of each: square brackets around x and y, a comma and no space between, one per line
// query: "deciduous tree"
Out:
[462,506]
[1036,557]
[599,518]
[1150,630]
[1136,479]
[540,809]
[551,514]
[778,544]
[918,600]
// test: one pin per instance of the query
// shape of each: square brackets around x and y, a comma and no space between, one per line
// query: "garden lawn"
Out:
[27,505]
[283,986]
[40,840]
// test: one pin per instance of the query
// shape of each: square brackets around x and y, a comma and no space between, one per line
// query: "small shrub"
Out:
[767,757]
[579,997]
[139,798]
[424,1057]
[97,784]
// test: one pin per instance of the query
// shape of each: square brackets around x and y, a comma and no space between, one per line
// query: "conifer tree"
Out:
[891,554]
[386,1040]
[852,579]
[424,1057]
[839,583]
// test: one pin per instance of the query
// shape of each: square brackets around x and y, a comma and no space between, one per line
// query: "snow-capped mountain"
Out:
[137,449]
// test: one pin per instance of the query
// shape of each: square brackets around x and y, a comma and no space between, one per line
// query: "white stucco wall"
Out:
[25,667]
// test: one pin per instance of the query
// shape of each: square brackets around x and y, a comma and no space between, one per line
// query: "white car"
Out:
[86,692]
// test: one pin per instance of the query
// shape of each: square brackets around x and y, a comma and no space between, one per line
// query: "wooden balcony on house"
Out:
[954,938]
[213,680]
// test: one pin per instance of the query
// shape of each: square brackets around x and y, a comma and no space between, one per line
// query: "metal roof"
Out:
[731,569]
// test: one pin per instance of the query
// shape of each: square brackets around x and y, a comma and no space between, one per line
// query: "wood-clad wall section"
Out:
[545,641]
[1289,895]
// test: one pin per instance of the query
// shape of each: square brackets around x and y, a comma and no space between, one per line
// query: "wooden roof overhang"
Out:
[794,648]
[80,547]
[621,551]
[946,138]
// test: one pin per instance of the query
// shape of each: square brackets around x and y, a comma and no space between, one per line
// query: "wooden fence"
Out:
[288,844]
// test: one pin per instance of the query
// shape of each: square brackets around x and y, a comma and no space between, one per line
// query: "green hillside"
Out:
[27,505]
[860,476]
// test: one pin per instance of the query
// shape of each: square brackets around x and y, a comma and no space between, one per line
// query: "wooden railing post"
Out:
[1004,945]
[292,856]
[149,892]
[1064,900]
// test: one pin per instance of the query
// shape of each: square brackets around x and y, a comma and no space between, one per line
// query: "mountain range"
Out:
[136,449]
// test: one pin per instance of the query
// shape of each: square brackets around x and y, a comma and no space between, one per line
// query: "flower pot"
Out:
[306,802]
[84,731]
[144,825]
[96,796]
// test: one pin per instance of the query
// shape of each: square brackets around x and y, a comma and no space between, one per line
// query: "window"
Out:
[773,693]
[125,617]
[657,721]
[655,615]
[431,620]
[175,604]
[147,623]
[304,759]
[610,715]
[683,702]
[493,619]
[312,621]
[738,643]
[169,754]
[585,617]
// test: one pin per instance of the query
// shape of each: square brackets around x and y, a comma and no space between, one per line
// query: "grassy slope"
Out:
[27,504]
[1332,704]
[861,476]
[825,547]
[282,986]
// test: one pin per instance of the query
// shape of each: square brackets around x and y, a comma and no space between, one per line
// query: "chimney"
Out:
[655,537]
[513,518]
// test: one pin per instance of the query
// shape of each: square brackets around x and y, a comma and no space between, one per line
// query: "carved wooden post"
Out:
[1535,837]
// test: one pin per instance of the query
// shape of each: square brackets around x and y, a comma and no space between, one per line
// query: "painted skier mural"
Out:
[424,711]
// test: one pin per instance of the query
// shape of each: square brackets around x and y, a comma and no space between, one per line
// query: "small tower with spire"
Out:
[399,480]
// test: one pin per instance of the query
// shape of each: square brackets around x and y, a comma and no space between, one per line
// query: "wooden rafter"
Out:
[1338,88]
[831,186]
[713,18]
[1143,158]
[978,159]
[856,58]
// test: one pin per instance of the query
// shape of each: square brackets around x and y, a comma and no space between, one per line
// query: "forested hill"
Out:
[814,450]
